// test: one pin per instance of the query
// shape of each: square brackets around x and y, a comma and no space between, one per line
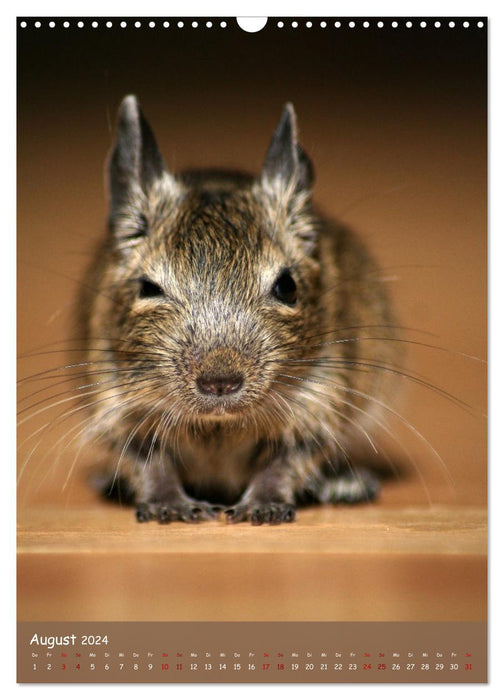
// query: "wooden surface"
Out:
[87,560]
[362,530]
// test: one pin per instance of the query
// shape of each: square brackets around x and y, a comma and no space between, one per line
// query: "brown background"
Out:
[395,122]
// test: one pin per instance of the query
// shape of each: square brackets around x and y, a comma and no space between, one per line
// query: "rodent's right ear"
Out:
[135,161]
[286,161]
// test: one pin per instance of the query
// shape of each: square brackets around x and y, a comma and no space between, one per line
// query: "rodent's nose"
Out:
[219,384]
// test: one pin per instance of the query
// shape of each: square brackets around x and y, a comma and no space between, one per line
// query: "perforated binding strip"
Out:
[286,23]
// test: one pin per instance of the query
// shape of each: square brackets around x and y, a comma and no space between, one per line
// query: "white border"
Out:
[259,8]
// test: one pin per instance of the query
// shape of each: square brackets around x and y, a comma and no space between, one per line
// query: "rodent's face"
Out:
[210,298]
[210,281]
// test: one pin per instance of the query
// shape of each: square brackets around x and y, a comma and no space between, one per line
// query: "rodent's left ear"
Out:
[135,161]
[286,160]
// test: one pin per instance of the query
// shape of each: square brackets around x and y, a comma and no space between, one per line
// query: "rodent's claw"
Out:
[185,510]
[218,509]
[201,512]
[232,516]
[260,513]
[165,515]
[289,514]
[143,512]
[259,516]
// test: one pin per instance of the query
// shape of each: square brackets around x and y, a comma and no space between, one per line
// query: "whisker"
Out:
[331,362]
[399,340]
[68,414]
[401,418]
[338,413]
[317,422]
[361,327]
[311,433]
[133,432]
[133,386]
[385,429]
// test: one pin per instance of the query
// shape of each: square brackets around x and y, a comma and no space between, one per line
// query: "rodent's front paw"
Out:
[258,513]
[186,510]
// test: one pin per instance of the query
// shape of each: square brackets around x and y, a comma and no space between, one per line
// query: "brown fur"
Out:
[215,243]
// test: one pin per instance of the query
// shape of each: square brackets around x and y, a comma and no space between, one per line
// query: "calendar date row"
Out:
[197,667]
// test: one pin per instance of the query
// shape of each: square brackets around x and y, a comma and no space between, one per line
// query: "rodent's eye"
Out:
[285,289]
[149,289]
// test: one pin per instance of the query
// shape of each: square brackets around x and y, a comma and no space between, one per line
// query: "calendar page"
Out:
[252,345]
